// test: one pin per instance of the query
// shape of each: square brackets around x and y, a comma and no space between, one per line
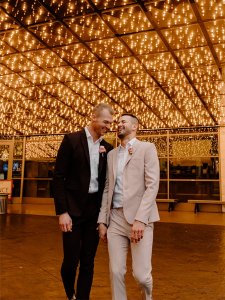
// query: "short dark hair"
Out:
[130,115]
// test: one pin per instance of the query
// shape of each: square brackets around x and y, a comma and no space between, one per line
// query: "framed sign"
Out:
[6,187]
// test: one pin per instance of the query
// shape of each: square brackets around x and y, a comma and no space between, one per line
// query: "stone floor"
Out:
[188,260]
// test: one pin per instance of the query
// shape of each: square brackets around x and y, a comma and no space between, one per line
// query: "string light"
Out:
[61,58]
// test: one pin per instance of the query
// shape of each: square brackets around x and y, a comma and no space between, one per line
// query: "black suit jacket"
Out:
[72,174]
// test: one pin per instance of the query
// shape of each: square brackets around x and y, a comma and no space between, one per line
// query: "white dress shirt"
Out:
[93,148]
[121,161]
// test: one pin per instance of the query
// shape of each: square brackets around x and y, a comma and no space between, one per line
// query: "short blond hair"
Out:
[99,107]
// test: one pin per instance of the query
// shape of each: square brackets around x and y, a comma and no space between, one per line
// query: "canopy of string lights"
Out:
[160,60]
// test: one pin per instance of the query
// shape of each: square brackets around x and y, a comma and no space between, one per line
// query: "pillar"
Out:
[222,140]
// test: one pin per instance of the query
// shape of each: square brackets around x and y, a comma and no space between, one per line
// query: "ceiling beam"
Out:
[37,100]
[63,59]
[104,63]
[82,42]
[143,66]
[148,14]
[205,33]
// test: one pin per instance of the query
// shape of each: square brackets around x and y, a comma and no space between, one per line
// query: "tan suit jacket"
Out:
[140,184]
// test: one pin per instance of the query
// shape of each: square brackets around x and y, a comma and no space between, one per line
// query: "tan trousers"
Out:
[118,235]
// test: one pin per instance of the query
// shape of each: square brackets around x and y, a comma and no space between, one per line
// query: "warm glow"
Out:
[160,60]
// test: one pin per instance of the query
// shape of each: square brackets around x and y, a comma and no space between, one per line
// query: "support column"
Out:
[222,140]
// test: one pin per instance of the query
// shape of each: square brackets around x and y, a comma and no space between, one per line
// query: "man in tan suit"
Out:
[129,209]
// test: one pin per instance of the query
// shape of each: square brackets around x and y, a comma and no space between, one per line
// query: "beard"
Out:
[120,135]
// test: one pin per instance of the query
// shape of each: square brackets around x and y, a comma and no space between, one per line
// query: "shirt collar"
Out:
[129,144]
[89,136]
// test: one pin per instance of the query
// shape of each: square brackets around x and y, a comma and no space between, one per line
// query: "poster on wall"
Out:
[6,187]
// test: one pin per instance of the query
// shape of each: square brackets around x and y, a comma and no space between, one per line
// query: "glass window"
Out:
[16,188]
[37,188]
[39,169]
[18,150]
[162,194]
[184,190]
[17,168]
[194,168]
[163,168]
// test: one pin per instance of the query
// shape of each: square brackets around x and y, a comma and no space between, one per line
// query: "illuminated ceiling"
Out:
[159,60]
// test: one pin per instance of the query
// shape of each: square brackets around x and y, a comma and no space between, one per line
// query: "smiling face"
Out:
[101,122]
[127,126]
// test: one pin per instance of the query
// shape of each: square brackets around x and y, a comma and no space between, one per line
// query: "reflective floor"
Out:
[188,260]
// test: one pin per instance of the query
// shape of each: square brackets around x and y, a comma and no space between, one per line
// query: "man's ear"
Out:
[135,126]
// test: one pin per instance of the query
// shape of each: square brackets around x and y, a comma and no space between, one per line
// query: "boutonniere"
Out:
[102,150]
[130,150]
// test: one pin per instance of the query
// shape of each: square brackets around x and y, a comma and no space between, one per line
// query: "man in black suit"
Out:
[78,184]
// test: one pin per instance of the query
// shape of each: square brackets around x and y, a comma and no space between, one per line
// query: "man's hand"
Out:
[137,231]
[102,229]
[65,222]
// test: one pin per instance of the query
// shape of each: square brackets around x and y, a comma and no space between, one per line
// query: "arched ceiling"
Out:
[160,60]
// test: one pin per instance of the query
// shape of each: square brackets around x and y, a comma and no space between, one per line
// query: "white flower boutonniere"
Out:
[130,150]
[102,150]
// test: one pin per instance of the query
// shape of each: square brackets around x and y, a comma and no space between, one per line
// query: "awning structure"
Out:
[160,60]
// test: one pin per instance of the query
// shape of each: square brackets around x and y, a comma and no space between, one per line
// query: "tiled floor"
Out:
[188,259]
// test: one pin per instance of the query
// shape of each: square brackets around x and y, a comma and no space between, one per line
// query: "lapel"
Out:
[85,145]
[102,157]
[134,148]
[114,162]
[115,157]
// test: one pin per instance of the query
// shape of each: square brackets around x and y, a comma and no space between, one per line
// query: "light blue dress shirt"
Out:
[123,154]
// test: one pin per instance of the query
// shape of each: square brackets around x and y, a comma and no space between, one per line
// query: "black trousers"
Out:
[80,247]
